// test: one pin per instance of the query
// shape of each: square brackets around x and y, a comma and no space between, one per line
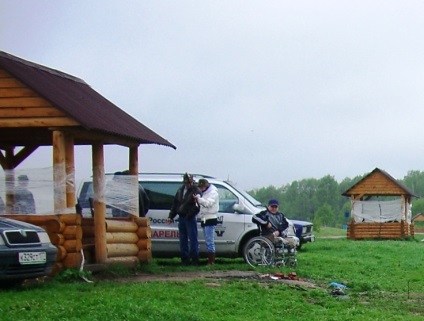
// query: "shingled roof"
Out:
[76,99]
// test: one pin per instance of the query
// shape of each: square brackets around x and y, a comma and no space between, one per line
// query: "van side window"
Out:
[161,194]
[226,199]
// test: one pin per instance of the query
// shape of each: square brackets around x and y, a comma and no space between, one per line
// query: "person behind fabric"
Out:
[186,207]
[24,200]
[143,198]
[143,201]
[272,223]
[209,207]
[114,190]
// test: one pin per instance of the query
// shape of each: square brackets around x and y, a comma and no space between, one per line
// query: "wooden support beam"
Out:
[99,203]
[7,163]
[23,154]
[133,169]
[70,171]
[133,161]
[59,171]
[11,161]
[3,161]
[37,122]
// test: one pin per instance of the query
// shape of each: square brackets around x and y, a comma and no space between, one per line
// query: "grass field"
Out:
[384,280]
[329,231]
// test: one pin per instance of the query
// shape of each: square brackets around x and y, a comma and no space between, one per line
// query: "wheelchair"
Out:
[261,251]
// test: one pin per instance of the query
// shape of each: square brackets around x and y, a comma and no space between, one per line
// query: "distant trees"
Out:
[324,216]
[418,206]
[414,180]
[321,200]
[308,199]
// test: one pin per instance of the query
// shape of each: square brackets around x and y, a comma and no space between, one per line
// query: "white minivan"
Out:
[234,227]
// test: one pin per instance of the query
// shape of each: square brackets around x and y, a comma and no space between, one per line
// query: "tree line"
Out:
[321,202]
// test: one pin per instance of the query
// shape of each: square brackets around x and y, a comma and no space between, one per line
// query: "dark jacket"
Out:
[143,202]
[278,221]
[184,206]
[24,201]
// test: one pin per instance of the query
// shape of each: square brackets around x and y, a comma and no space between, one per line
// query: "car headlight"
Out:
[44,237]
[1,240]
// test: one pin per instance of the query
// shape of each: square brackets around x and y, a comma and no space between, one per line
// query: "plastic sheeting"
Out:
[120,192]
[40,183]
[379,211]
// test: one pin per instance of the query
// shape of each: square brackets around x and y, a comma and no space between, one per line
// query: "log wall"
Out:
[128,240]
[392,231]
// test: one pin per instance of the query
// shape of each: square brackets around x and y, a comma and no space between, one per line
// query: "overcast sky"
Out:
[261,92]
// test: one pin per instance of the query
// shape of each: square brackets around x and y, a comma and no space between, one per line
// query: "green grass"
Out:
[329,231]
[384,280]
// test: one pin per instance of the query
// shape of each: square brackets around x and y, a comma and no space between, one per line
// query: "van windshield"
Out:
[249,197]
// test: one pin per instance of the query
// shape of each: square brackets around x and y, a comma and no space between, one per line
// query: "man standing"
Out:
[186,208]
[24,200]
[209,207]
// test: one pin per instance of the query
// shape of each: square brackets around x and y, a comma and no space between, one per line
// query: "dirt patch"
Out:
[212,276]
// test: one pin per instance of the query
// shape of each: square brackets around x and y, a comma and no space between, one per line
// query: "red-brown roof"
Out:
[79,101]
[400,188]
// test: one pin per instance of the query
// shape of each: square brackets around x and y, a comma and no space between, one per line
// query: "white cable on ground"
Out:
[82,267]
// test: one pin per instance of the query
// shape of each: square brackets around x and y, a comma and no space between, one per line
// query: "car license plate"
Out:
[32,257]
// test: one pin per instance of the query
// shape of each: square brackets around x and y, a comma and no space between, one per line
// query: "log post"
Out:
[99,203]
[8,166]
[133,161]
[70,172]
[133,169]
[59,172]
[352,229]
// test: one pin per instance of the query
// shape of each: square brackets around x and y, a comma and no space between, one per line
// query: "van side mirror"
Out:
[237,207]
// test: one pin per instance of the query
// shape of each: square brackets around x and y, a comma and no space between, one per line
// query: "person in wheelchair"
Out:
[273,224]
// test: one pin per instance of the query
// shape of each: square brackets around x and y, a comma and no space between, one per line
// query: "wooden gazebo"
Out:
[40,106]
[381,208]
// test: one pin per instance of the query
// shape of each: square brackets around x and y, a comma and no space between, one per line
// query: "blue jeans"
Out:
[209,232]
[187,228]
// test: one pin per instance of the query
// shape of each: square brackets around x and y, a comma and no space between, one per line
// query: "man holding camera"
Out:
[186,207]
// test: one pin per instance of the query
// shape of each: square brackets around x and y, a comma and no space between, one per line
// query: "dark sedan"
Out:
[25,251]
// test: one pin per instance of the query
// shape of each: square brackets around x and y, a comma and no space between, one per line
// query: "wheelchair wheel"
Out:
[259,251]
[293,263]
[292,259]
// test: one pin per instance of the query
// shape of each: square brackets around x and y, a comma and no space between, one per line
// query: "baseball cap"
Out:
[273,201]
